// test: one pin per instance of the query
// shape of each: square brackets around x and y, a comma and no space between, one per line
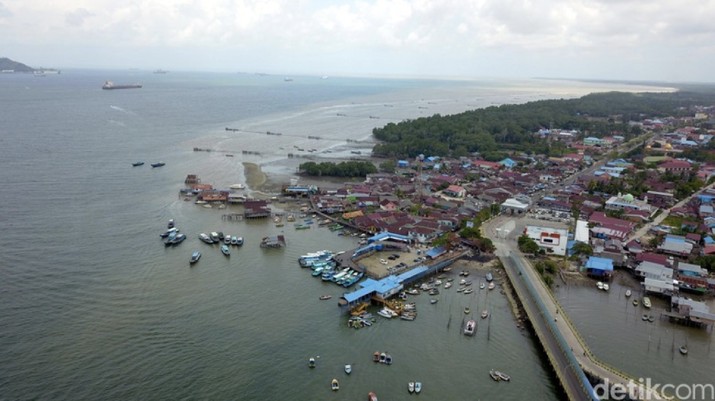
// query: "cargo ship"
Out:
[112,85]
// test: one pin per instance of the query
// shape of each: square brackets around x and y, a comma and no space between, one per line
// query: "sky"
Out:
[654,40]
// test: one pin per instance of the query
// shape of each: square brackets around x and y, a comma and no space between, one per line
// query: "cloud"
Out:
[77,17]
[4,11]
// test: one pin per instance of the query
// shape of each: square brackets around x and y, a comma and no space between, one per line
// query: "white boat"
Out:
[447,285]
[418,387]
[411,387]
[468,291]
[491,285]
[348,369]
[334,385]
[481,286]
[311,362]
[385,314]
[485,314]
[599,285]
[493,374]
[683,349]
[606,287]
[237,186]
[628,293]
[502,375]
[433,301]
[646,302]
[470,328]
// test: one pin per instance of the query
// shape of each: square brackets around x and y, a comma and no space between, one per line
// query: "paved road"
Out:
[559,337]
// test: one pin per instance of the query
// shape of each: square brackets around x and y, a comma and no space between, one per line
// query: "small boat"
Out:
[205,238]
[376,357]
[494,375]
[348,369]
[489,276]
[646,302]
[651,318]
[384,313]
[311,363]
[371,396]
[466,311]
[411,387]
[635,302]
[468,291]
[683,349]
[644,317]
[382,357]
[170,233]
[170,224]
[606,287]
[418,387]
[503,376]
[491,285]
[482,286]
[628,293]
[599,285]
[225,250]
[470,328]
[159,164]
[325,297]
[485,314]
[239,241]
[137,164]
[388,359]
[177,240]
[433,301]
[195,257]
[334,385]
[227,239]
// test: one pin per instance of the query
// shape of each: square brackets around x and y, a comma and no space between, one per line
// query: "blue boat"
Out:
[195,257]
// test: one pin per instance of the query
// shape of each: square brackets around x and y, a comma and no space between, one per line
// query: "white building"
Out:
[552,240]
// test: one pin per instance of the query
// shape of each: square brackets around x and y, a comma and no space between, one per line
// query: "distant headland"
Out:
[11,66]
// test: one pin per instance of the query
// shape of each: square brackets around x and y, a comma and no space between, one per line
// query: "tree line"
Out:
[342,169]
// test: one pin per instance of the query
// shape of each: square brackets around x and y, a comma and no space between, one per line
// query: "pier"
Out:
[569,355]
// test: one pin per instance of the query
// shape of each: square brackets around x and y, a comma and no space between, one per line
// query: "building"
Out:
[628,203]
[552,240]
[513,206]
[599,267]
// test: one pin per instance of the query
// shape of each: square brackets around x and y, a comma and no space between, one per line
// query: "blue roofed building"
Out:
[599,267]
[508,163]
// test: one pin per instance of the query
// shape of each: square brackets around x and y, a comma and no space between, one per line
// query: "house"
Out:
[513,206]
[610,228]
[674,166]
[592,141]
[508,163]
[454,191]
[599,267]
[676,245]
[628,202]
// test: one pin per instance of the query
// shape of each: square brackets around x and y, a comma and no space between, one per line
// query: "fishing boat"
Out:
[325,297]
[433,301]
[195,257]
[606,287]
[418,387]
[466,311]
[491,285]
[411,387]
[376,356]
[644,317]
[470,328]
[371,396]
[311,362]
[683,349]
[628,293]
[468,291]
[646,302]
[382,357]
[482,286]
[489,276]
[388,359]
[651,318]
[384,313]
[599,285]
[348,369]
[334,385]
[635,302]
[159,164]
[494,375]
[485,314]
[225,250]
[137,164]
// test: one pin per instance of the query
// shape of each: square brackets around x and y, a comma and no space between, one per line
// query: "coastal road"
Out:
[567,351]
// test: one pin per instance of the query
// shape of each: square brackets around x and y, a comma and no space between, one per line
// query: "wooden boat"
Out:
[502,375]
[644,317]
[325,297]
[137,164]
[651,318]
[466,311]
[683,349]
[195,257]
[418,387]
[334,385]
[485,314]
[468,291]
[382,357]
[628,293]
[482,286]
[348,369]
[635,302]
[371,396]
[159,164]
[433,301]
[491,285]
[376,356]
[494,375]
